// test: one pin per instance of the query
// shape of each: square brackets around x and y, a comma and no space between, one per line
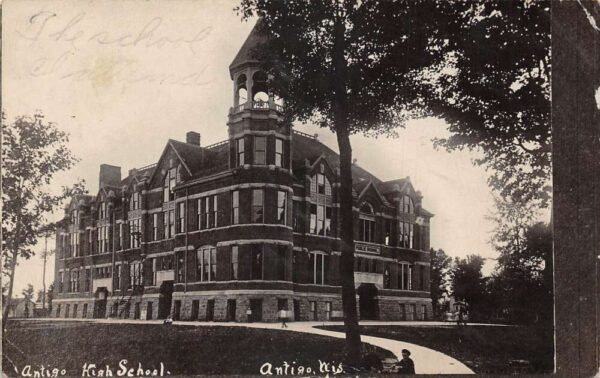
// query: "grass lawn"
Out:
[484,349]
[184,350]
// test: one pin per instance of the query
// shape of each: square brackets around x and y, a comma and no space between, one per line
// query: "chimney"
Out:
[192,137]
[110,175]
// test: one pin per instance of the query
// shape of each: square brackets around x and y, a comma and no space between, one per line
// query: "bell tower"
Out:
[258,137]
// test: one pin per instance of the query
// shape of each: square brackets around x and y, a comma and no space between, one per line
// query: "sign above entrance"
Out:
[366,248]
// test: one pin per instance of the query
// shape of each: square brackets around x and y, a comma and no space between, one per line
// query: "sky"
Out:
[123,77]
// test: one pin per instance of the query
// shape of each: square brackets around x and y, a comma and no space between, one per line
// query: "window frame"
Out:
[260,152]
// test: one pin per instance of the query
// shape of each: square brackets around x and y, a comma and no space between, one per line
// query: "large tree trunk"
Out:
[353,342]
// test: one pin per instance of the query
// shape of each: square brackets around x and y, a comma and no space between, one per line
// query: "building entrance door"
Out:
[164,302]
[99,303]
[256,308]
[210,310]
[296,310]
[368,301]
[231,308]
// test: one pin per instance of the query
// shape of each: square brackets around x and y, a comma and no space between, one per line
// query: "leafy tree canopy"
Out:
[484,67]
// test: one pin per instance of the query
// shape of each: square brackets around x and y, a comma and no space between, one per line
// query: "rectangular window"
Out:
[166,225]
[257,262]
[295,260]
[366,229]
[235,207]
[206,264]
[180,268]
[233,274]
[171,223]
[240,152]
[313,310]
[281,263]
[281,207]
[327,310]
[136,274]
[181,217]
[172,182]
[278,152]
[313,219]
[387,238]
[135,234]
[215,211]
[257,206]
[118,277]
[318,266]
[260,150]
[200,214]
[155,226]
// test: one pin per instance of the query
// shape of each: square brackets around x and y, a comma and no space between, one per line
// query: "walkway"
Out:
[427,361]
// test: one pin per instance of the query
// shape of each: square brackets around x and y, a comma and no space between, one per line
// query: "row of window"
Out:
[206,269]
[259,156]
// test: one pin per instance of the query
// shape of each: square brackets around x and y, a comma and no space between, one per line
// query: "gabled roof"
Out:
[309,148]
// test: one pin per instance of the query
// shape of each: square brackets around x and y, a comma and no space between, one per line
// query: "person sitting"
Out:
[406,365]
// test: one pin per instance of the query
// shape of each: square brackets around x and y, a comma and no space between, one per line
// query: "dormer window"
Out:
[169,185]
[366,223]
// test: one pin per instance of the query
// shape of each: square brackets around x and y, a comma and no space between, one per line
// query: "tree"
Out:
[366,66]
[33,151]
[28,293]
[441,265]
[351,67]
[468,283]
[494,93]
[524,274]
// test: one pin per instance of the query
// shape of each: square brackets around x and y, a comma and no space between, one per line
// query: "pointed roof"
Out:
[246,54]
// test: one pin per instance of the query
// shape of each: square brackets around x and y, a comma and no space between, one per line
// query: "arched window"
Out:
[260,93]
[242,91]
[366,223]
[321,206]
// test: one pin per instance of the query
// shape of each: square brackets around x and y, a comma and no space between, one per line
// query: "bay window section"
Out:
[258,206]
[257,262]
[239,152]
[281,207]
[235,207]
[233,273]
[278,152]
[260,150]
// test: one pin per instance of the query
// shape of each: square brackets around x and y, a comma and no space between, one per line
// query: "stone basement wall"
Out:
[391,309]
[80,307]
[269,306]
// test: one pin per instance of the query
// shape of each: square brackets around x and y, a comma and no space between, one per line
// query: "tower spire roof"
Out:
[246,53]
